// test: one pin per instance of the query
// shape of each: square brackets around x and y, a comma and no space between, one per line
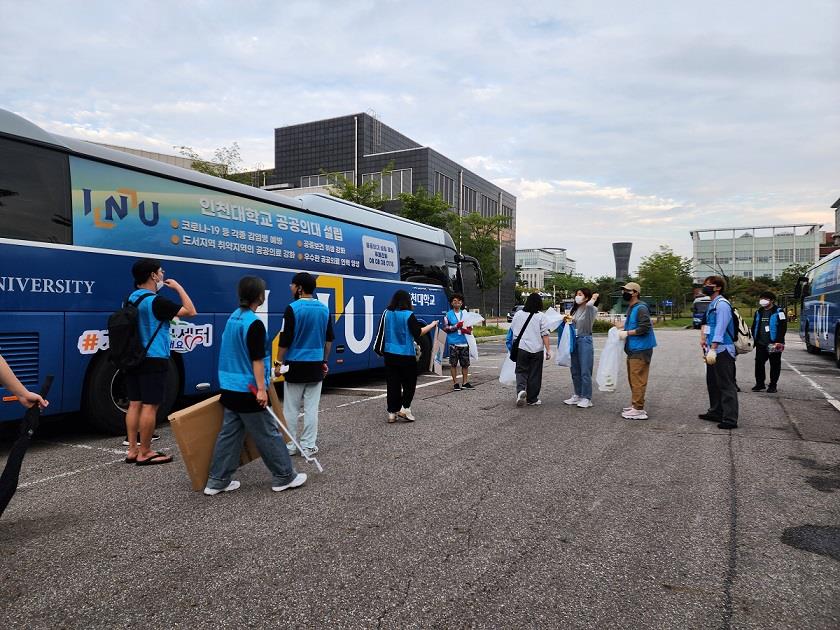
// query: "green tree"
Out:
[666,276]
[425,208]
[367,194]
[479,237]
[226,163]
[787,280]
[564,284]
[607,288]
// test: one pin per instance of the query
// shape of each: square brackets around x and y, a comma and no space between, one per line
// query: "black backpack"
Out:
[126,349]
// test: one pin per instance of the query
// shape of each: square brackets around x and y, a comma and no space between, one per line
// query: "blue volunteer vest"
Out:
[774,323]
[311,318]
[148,323]
[711,321]
[638,343]
[398,339]
[236,372]
[455,338]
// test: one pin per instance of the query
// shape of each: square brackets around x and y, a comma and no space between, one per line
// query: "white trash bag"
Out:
[609,365]
[564,347]
[507,375]
[470,320]
[552,318]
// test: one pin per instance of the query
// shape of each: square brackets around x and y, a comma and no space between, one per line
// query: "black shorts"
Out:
[147,385]
[459,354]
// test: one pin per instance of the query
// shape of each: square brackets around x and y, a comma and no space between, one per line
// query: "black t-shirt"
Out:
[246,402]
[763,336]
[302,371]
[163,311]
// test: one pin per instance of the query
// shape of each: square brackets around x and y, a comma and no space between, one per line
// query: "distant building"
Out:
[621,253]
[535,265]
[752,252]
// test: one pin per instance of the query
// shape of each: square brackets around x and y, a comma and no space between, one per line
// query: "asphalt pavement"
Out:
[477,515]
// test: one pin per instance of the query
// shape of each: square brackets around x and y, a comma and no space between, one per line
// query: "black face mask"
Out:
[707,290]
[627,296]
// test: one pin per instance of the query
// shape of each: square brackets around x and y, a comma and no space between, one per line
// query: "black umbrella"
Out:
[9,478]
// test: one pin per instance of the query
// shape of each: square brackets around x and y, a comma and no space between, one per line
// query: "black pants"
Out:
[401,379]
[761,357]
[529,369]
[720,381]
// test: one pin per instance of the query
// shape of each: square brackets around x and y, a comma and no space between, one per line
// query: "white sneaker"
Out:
[635,414]
[233,485]
[520,398]
[309,452]
[536,403]
[583,403]
[298,481]
[405,414]
[573,400]
[626,409]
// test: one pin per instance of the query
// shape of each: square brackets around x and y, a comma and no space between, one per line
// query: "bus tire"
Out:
[837,346]
[425,344]
[812,349]
[104,400]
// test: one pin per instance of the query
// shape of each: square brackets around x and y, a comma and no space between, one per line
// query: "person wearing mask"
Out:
[769,328]
[456,339]
[582,315]
[244,368]
[718,344]
[530,327]
[400,330]
[639,342]
[146,384]
[305,343]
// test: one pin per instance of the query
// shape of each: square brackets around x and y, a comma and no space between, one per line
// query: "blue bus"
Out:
[74,216]
[819,294]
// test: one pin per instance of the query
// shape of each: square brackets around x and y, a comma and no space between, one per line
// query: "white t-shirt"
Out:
[532,337]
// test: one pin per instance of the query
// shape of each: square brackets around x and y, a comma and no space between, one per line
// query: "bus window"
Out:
[422,262]
[34,193]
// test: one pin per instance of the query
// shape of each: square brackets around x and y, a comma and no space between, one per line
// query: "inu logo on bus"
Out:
[348,311]
[117,205]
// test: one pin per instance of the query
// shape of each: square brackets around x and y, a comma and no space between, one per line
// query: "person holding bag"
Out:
[395,342]
[582,316]
[529,330]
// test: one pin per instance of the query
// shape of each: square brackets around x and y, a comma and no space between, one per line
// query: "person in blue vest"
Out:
[400,330]
[718,343]
[769,329]
[244,367]
[639,342]
[456,339]
[305,343]
[146,384]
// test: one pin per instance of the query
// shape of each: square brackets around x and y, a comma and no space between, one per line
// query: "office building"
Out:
[753,252]
[536,265]
[361,148]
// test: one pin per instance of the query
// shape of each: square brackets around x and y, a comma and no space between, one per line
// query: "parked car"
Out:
[698,310]
[515,310]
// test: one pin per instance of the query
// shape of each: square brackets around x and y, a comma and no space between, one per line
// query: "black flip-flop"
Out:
[155,459]
[131,460]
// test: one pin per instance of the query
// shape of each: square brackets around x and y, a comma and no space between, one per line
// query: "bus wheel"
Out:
[425,354]
[105,401]
[808,346]
[837,346]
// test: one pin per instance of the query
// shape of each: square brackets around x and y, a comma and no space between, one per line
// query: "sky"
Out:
[610,121]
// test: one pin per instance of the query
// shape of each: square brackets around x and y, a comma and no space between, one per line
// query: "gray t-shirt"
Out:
[583,317]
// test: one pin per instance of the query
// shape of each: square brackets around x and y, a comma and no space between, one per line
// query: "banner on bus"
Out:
[117,208]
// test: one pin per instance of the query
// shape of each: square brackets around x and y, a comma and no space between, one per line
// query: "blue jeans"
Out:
[310,395]
[582,360]
[260,426]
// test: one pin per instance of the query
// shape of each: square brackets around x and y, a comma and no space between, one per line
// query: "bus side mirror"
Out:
[801,289]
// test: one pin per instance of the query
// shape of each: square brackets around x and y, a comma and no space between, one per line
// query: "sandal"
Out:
[131,460]
[156,458]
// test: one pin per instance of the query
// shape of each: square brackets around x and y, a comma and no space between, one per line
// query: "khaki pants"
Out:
[637,374]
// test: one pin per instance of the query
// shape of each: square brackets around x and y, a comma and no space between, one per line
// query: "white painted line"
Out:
[360,389]
[69,473]
[831,399]
[439,380]
[113,451]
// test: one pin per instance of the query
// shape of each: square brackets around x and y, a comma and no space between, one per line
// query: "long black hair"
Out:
[400,301]
[587,294]
[251,289]
[533,304]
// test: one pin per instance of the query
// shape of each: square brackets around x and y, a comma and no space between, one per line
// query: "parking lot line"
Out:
[69,473]
[831,399]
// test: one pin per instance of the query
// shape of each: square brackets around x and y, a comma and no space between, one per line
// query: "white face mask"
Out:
[579,299]
[159,284]
[764,303]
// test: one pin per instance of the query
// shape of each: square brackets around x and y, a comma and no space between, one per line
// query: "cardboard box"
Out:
[438,347]
[196,429]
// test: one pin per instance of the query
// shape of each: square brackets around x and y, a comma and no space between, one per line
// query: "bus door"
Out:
[32,345]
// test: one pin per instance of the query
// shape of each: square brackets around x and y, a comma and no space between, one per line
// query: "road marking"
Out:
[69,473]
[831,399]
[439,380]
[359,389]
[113,451]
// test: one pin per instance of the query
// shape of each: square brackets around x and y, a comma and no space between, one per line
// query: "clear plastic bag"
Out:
[609,365]
[507,375]
[564,347]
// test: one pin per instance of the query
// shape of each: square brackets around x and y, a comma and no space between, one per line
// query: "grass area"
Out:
[488,331]
[680,322]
